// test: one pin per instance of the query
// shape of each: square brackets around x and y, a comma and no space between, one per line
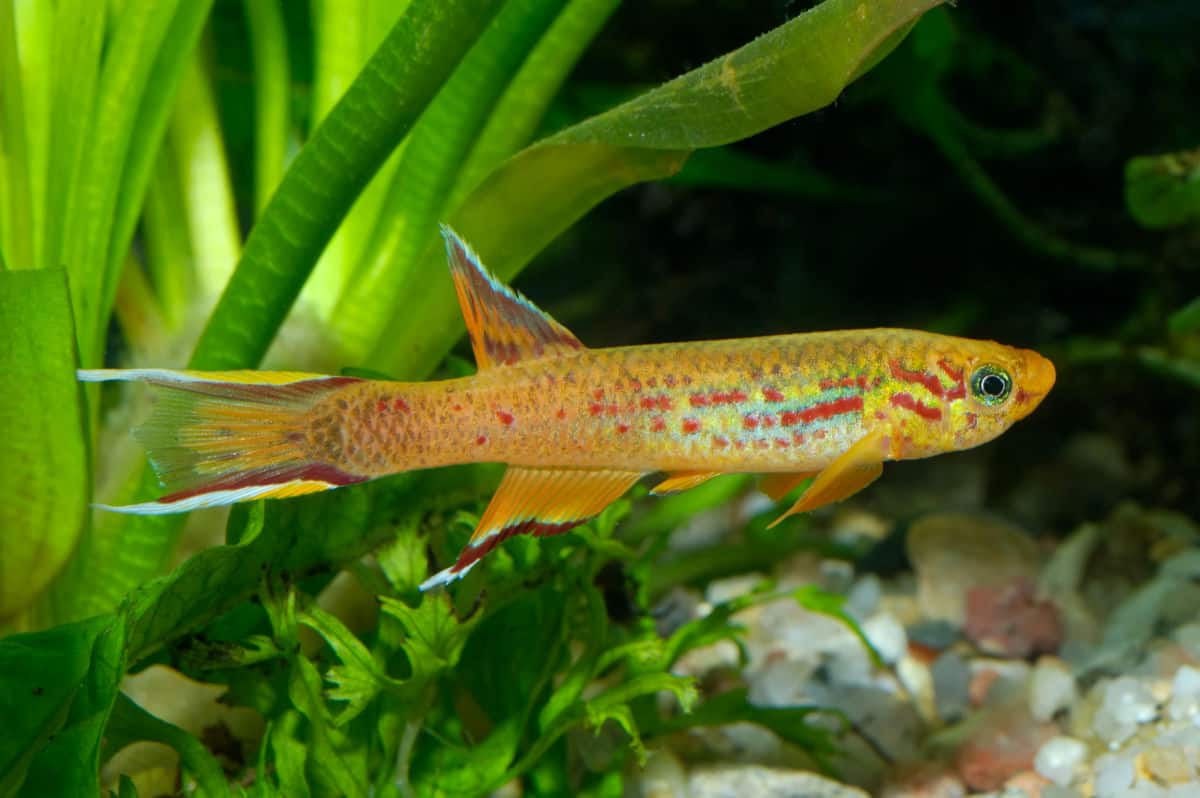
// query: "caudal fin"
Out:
[219,437]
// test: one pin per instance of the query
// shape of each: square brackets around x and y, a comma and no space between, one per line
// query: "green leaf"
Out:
[272,90]
[1164,190]
[434,635]
[43,510]
[792,724]
[131,722]
[1186,319]
[331,170]
[796,68]
[814,599]
[59,687]
[359,678]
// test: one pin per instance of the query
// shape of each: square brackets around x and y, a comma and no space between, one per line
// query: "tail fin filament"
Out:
[217,438]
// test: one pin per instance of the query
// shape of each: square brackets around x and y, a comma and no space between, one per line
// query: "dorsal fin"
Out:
[505,327]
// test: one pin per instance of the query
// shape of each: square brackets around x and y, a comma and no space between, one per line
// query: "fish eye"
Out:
[991,385]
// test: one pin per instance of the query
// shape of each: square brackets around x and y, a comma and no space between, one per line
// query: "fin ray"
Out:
[503,325]
[776,486]
[679,481]
[217,438]
[539,502]
[859,466]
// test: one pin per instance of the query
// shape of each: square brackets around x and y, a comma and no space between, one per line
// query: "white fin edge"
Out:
[216,498]
[445,577]
[244,377]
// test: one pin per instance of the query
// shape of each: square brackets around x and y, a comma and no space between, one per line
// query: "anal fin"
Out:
[678,481]
[539,502]
[859,466]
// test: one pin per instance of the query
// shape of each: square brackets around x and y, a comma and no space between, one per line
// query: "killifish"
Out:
[578,426]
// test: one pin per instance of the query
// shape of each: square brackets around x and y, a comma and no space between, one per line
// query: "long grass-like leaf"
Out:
[79,29]
[796,68]
[429,167]
[272,89]
[175,53]
[199,156]
[516,116]
[17,238]
[331,170]
[129,57]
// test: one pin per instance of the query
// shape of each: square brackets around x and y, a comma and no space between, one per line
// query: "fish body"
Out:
[578,426]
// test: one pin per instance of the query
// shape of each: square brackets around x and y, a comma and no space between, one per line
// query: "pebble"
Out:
[1051,688]
[952,553]
[1114,775]
[1059,758]
[887,636]
[739,781]
[1125,704]
[1008,620]
[951,682]
[1185,694]
[663,776]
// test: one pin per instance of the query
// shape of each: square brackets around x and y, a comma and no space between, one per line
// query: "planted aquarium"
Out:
[568,397]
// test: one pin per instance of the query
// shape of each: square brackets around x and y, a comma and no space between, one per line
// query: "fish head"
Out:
[996,386]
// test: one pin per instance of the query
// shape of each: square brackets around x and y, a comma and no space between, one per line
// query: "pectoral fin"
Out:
[861,465]
[779,485]
[678,481]
[538,502]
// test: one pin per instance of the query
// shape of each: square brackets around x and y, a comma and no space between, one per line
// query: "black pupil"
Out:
[993,385]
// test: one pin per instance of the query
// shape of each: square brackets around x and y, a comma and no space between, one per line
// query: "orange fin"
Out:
[504,326]
[539,502]
[779,485]
[221,437]
[858,467]
[678,481]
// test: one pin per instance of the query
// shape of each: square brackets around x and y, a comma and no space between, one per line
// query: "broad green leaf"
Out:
[43,505]
[359,678]
[434,636]
[331,170]
[131,722]
[59,687]
[1164,190]
[796,68]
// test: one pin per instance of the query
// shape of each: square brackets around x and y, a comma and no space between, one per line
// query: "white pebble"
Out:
[1114,776]
[863,598]
[1185,694]
[1058,759]
[1052,688]
[1124,704]
[1054,791]
[887,636]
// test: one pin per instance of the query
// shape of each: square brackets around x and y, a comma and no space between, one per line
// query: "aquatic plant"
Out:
[110,128]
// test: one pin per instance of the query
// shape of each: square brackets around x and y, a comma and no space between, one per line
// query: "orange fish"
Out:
[578,426]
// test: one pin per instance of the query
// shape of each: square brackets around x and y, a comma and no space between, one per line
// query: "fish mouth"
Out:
[1037,380]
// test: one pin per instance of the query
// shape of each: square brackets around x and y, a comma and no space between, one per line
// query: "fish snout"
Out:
[1037,380]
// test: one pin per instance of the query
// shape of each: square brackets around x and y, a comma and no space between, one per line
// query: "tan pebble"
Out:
[1028,781]
[1165,765]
